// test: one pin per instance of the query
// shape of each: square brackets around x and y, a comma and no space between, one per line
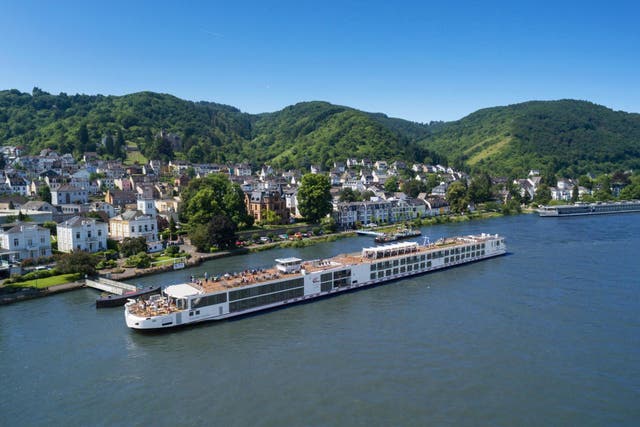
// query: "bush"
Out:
[172,250]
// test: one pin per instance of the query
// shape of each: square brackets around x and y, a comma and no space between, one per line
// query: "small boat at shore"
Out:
[406,233]
[120,300]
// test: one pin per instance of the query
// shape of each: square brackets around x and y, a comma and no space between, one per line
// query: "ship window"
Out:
[395,262]
[380,274]
[422,265]
[403,269]
[409,267]
[208,300]
[446,253]
[324,287]
[457,257]
[325,277]
[373,267]
[395,271]
[446,260]
[373,276]
[422,257]
[428,264]
[388,273]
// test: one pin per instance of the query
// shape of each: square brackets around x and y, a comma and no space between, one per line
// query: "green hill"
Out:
[567,137]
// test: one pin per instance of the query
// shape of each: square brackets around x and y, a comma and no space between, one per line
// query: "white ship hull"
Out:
[333,278]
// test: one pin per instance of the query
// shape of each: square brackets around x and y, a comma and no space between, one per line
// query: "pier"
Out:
[111,286]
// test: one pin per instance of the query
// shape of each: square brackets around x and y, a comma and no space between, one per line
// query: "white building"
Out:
[27,241]
[67,194]
[82,234]
[139,223]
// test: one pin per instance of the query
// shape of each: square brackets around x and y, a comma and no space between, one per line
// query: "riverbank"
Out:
[9,295]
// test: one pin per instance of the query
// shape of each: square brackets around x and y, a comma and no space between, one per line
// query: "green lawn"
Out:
[134,156]
[47,281]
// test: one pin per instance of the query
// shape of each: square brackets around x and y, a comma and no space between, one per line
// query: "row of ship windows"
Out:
[209,300]
[265,299]
[466,250]
[327,286]
[327,277]
[399,270]
[265,289]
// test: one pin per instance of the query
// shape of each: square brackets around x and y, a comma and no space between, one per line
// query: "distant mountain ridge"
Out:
[560,136]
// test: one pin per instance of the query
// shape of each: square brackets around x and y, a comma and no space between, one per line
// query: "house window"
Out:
[16,242]
[89,234]
[77,235]
[133,228]
[29,242]
[42,240]
[139,229]
[99,232]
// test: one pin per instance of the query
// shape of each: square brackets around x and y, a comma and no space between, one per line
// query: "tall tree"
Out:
[223,231]
[314,197]
[213,195]
[83,138]
[480,188]
[543,194]
[44,193]
[391,184]
[457,197]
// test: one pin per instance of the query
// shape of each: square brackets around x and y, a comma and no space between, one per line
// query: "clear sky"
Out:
[420,61]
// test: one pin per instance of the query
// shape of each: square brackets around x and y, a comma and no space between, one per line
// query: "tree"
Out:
[223,231]
[543,195]
[109,145]
[120,146]
[347,195]
[83,138]
[213,195]
[391,184]
[271,218]
[44,193]
[172,228]
[77,262]
[413,187]
[314,197]
[575,193]
[457,197]
[200,237]
[480,188]
[133,245]
[52,226]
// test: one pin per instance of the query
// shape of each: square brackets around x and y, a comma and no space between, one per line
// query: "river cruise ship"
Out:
[293,280]
[590,208]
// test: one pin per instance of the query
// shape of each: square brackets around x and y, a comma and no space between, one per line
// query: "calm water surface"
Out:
[547,335]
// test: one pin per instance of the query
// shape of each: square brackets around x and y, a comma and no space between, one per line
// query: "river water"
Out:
[547,335]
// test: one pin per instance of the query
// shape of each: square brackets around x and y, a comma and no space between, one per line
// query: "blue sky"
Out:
[420,61]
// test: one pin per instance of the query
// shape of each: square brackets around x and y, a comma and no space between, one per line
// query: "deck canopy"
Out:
[288,265]
[182,290]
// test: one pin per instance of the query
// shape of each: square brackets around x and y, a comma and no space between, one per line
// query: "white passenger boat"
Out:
[598,208]
[293,280]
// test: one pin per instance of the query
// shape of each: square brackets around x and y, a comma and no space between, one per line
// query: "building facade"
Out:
[27,241]
[82,234]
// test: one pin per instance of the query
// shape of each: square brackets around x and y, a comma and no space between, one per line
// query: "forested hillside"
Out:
[567,137]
